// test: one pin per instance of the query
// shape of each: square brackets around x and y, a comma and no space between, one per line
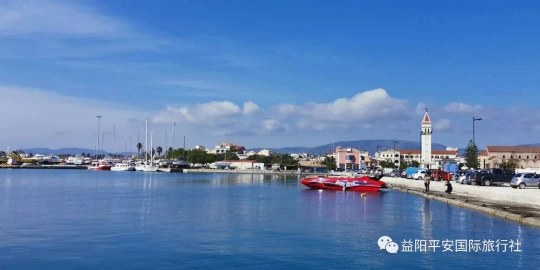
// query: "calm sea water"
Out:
[52,219]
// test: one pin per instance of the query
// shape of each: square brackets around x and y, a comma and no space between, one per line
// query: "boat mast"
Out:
[184,146]
[173,140]
[130,146]
[114,139]
[97,148]
[151,148]
[146,144]
[166,139]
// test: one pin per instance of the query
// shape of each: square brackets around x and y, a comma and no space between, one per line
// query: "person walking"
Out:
[426,181]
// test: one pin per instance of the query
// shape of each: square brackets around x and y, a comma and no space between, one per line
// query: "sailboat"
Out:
[151,167]
[140,167]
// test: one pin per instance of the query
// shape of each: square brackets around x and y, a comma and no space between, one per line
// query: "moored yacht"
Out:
[123,167]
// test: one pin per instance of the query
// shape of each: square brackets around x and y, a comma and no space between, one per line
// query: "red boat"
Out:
[363,183]
[100,166]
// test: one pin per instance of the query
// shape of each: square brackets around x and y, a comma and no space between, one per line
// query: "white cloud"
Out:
[421,108]
[367,107]
[460,107]
[442,124]
[366,110]
[49,119]
[250,107]
[210,113]
[18,17]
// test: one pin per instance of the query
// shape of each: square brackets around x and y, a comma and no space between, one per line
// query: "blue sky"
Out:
[297,64]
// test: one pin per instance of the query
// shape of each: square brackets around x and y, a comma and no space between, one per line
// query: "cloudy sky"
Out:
[272,74]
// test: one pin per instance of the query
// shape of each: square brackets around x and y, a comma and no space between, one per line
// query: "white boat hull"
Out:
[150,169]
[123,169]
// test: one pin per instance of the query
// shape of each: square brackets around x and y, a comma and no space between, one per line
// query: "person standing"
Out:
[426,181]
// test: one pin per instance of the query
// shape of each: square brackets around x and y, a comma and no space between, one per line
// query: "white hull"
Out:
[150,168]
[123,169]
[139,168]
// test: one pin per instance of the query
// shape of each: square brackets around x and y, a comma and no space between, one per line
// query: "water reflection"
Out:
[212,220]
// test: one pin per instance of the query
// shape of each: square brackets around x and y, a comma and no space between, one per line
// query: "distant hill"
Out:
[369,145]
[67,151]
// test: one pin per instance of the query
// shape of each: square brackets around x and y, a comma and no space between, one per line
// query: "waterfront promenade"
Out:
[528,196]
[519,205]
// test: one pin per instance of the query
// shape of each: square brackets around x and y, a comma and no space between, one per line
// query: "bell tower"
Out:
[425,134]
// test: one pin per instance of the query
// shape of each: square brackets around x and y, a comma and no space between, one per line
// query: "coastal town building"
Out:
[225,147]
[311,166]
[426,157]
[350,158]
[496,156]
[240,164]
[200,147]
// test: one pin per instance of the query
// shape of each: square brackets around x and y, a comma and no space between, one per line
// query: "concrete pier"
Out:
[518,205]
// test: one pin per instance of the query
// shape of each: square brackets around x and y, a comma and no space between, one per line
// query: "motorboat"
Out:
[361,183]
[123,167]
[100,166]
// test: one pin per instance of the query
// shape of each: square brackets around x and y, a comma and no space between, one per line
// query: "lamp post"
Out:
[474,119]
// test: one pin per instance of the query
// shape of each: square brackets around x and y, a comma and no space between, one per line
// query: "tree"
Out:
[159,150]
[139,146]
[471,155]
[387,164]
[511,164]
[415,164]
[330,163]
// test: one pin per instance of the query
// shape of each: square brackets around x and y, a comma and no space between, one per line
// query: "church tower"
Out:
[425,134]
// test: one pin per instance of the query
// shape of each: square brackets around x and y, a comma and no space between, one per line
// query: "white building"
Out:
[200,147]
[426,131]
[265,152]
[225,147]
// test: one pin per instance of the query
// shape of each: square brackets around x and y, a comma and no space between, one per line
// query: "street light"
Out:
[474,120]
[473,138]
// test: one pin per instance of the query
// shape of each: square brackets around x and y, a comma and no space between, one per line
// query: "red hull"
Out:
[361,184]
[101,168]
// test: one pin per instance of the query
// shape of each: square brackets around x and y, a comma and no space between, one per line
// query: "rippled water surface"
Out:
[52,219]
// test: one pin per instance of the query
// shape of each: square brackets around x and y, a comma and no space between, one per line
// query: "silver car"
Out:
[523,180]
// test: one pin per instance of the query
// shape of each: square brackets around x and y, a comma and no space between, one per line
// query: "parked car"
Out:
[522,180]
[470,179]
[419,175]
[440,175]
[461,179]
[491,176]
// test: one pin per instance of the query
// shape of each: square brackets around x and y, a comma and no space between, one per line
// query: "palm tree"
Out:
[139,146]
[159,150]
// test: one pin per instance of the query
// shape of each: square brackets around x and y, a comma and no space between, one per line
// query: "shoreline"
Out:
[250,172]
[517,211]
